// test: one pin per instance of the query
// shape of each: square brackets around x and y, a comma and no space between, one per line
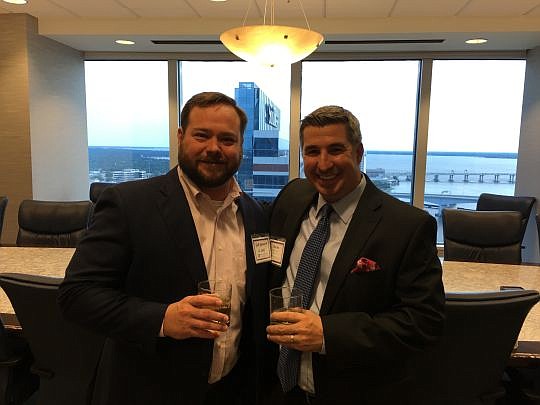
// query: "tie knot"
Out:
[326,210]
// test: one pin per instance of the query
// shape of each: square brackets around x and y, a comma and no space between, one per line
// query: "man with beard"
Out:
[134,275]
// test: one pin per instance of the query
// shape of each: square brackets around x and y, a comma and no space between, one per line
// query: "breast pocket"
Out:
[367,291]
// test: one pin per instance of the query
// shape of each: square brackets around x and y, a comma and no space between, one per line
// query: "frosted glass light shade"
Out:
[271,45]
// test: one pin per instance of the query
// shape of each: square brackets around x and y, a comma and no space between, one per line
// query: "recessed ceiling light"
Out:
[476,41]
[124,42]
[218,1]
[16,1]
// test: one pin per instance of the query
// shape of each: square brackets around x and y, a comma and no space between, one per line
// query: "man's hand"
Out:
[189,318]
[304,331]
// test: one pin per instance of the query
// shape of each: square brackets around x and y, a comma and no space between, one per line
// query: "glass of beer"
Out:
[285,299]
[221,289]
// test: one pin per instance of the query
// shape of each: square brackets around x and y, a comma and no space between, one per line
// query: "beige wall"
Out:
[528,167]
[43,141]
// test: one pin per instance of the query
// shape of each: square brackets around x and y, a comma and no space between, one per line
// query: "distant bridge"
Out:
[463,177]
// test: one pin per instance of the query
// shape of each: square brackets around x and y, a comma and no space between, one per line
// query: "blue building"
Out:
[265,165]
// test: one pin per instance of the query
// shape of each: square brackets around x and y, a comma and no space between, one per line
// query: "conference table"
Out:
[50,262]
[457,276]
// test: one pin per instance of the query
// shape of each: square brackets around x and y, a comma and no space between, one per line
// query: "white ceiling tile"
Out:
[95,8]
[292,9]
[37,8]
[359,9]
[161,8]
[497,8]
[423,8]
[535,12]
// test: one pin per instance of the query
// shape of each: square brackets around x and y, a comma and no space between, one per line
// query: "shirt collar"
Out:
[345,207]
[197,195]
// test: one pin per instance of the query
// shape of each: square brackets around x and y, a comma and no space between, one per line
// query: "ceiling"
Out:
[357,25]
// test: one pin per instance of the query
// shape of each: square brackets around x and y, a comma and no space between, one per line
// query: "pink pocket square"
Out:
[364,265]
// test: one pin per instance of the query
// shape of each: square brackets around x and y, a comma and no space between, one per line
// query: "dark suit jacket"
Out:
[141,253]
[374,323]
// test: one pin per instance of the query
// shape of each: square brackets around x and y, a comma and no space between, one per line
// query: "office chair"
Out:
[467,365]
[96,189]
[496,202]
[65,355]
[17,384]
[3,205]
[482,236]
[52,223]
[538,226]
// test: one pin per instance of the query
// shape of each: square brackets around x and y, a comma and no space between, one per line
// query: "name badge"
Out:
[261,248]
[277,246]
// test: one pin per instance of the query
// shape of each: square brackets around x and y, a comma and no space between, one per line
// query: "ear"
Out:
[179,136]
[359,152]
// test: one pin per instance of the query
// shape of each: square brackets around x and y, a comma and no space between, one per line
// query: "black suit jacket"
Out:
[374,323]
[141,253]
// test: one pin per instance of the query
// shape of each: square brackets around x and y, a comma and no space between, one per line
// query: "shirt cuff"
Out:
[323,348]
[162,335]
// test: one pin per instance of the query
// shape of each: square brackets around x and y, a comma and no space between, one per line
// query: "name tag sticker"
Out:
[261,248]
[277,245]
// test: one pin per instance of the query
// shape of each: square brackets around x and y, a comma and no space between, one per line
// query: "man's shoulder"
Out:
[401,210]
[294,189]
[145,185]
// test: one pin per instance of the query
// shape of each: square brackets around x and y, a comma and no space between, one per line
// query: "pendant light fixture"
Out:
[270,44]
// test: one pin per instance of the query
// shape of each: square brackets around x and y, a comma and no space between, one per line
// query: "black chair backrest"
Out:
[496,202]
[17,384]
[65,355]
[3,205]
[96,189]
[467,365]
[538,226]
[52,223]
[482,236]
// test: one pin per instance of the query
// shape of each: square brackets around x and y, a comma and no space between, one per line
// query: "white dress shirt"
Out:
[340,218]
[220,230]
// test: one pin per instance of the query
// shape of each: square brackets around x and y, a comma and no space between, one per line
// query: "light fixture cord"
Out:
[304,12]
[272,12]
[247,12]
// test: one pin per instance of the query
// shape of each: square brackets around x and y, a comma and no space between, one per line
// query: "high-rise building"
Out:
[265,165]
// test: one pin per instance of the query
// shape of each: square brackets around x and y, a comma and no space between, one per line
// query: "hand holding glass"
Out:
[221,289]
[285,299]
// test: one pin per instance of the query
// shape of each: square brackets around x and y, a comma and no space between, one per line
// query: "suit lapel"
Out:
[363,222]
[250,222]
[176,214]
[290,217]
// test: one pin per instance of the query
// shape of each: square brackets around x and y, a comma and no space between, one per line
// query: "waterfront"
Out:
[392,171]
[398,163]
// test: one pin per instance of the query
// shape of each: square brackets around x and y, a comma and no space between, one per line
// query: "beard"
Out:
[220,173]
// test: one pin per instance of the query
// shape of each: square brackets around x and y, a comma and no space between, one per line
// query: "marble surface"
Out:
[463,276]
[457,276]
[39,261]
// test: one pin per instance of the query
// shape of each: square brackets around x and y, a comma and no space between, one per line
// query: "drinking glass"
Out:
[221,289]
[285,299]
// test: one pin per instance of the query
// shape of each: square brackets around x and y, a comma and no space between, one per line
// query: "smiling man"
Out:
[367,266]
[134,276]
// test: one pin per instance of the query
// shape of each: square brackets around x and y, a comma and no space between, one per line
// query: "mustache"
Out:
[212,160]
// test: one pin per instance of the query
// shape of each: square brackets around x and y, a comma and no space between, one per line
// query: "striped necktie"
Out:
[308,268]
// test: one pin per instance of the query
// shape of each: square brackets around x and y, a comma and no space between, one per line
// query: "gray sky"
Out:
[479,110]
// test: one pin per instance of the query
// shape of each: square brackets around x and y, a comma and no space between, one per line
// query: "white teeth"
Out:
[327,177]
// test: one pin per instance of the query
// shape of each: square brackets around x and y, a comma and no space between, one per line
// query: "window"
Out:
[383,96]
[127,118]
[264,94]
[474,127]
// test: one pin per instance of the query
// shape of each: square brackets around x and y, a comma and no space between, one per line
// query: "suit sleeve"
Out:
[413,320]
[92,293]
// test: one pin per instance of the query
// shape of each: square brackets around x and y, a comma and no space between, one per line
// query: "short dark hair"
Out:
[333,114]
[208,99]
